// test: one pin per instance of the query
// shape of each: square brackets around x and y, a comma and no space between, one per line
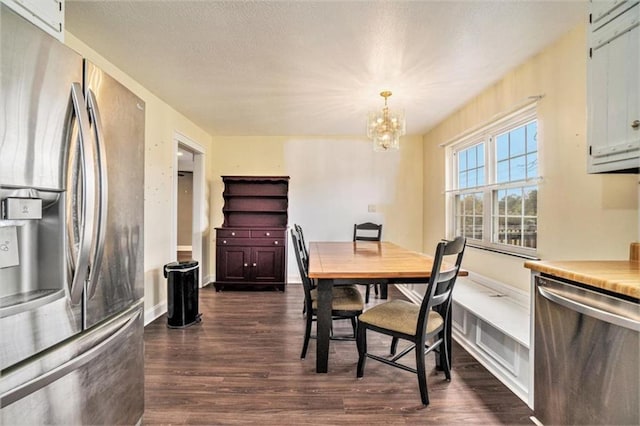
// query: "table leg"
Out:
[323,325]
[384,291]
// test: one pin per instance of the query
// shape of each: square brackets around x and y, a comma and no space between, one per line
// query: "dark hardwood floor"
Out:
[242,365]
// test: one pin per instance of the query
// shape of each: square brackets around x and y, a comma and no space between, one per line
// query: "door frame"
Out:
[199,223]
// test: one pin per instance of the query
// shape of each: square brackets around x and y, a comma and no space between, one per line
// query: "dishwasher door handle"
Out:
[589,310]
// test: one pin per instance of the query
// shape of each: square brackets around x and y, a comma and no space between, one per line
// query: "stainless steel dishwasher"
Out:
[586,356]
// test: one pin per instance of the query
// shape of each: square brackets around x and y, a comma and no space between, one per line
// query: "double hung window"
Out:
[493,185]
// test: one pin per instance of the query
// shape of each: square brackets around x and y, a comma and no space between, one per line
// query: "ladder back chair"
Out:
[368,231]
[303,243]
[347,301]
[422,325]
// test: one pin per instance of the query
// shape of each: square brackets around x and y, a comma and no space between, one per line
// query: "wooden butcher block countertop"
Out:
[618,276]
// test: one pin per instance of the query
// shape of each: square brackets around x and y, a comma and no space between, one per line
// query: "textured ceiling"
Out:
[317,67]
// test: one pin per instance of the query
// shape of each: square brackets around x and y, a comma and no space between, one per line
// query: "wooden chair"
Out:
[304,252]
[418,324]
[368,231]
[298,229]
[300,245]
[347,301]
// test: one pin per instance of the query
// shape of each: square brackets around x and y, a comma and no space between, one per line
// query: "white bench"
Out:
[492,322]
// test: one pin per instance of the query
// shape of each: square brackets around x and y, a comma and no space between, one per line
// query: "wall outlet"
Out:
[9,247]
[372,208]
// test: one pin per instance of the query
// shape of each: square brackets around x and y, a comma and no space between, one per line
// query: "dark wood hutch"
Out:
[251,244]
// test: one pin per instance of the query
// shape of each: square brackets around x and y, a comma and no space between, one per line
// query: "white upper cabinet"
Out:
[604,11]
[613,81]
[46,14]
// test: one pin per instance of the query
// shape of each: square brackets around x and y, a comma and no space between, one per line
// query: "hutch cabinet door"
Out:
[267,264]
[233,263]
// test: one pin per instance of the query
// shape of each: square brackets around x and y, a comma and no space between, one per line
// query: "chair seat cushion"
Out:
[345,298]
[338,291]
[399,316]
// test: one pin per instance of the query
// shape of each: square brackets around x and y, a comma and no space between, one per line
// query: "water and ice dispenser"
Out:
[31,248]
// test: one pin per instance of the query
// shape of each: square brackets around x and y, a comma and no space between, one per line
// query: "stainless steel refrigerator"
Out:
[71,236]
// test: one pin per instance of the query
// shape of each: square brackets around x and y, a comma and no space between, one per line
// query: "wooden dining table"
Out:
[360,262]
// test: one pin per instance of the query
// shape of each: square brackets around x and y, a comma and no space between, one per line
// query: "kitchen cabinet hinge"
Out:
[591,52]
[589,149]
[590,18]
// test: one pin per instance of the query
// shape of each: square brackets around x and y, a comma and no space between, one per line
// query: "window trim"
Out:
[486,134]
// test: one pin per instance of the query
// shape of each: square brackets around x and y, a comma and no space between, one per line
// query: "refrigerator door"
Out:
[117,119]
[36,77]
[40,82]
[97,378]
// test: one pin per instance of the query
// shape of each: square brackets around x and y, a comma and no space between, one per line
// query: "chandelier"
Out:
[385,127]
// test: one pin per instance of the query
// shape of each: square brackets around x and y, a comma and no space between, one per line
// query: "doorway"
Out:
[189,223]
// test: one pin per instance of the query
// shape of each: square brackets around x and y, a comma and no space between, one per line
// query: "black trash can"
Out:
[182,293]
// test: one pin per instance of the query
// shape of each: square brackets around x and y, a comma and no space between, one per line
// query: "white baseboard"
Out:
[294,279]
[209,279]
[154,312]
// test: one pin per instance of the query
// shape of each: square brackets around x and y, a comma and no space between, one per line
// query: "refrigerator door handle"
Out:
[112,335]
[80,266]
[102,185]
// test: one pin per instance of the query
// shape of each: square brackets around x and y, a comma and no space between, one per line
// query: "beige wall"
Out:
[162,121]
[334,180]
[581,216]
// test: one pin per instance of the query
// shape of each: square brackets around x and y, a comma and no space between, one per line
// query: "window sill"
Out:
[505,252]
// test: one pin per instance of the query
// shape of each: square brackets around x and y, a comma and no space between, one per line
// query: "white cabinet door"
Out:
[633,83]
[613,100]
[604,11]
[46,14]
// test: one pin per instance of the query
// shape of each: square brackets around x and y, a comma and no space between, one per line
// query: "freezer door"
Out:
[117,119]
[36,75]
[29,331]
[97,378]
